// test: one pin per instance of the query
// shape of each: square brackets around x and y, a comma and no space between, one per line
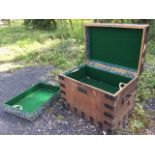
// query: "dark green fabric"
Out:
[119,46]
[107,77]
[78,74]
[98,78]
[100,84]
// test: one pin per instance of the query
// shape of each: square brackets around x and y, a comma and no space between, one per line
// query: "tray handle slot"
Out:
[19,107]
[126,97]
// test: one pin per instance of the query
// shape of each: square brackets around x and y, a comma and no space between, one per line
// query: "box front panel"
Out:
[96,106]
[90,103]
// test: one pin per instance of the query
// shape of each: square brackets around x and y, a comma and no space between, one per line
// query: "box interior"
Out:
[98,78]
[33,98]
[116,46]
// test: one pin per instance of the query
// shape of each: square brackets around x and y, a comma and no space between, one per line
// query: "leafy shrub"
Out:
[151,47]
[63,29]
[77,29]
[71,29]
[45,24]
[137,123]
[140,21]
[139,120]
[152,31]
[146,86]
[113,20]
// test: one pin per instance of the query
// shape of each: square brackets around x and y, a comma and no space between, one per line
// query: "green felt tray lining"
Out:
[98,78]
[33,98]
[118,46]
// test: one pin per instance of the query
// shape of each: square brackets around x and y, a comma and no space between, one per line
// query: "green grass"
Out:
[42,47]
[146,84]
[18,41]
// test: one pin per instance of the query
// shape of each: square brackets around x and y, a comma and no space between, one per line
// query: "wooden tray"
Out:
[31,103]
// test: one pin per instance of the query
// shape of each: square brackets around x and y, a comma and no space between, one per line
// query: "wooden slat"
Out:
[131,26]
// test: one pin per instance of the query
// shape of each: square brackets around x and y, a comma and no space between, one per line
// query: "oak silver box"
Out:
[103,89]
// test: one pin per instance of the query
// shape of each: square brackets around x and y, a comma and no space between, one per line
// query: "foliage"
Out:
[136,125]
[151,22]
[70,29]
[45,24]
[63,29]
[39,46]
[146,86]
[151,47]
[113,20]
[17,34]
[139,120]
[60,53]
[136,21]
[66,28]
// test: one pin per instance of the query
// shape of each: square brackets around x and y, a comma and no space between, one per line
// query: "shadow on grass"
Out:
[39,47]
[63,55]
[19,35]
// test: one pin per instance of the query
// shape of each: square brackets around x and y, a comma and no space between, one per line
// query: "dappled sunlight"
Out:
[22,48]
[38,46]
[57,52]
[5,67]
[150,59]
[20,36]
[8,53]
[16,43]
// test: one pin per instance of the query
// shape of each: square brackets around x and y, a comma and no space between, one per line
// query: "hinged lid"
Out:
[118,45]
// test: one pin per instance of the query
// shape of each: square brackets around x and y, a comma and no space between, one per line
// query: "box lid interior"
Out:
[114,45]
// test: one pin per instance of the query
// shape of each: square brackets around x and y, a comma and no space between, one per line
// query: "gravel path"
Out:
[55,120]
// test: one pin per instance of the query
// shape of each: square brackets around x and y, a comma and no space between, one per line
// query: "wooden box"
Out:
[103,89]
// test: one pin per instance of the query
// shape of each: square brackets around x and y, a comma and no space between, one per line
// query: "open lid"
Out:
[119,45]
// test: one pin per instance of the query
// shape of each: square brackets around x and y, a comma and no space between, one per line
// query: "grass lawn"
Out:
[20,47]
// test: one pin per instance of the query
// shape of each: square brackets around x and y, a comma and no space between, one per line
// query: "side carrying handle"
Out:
[126,97]
[82,90]
[121,85]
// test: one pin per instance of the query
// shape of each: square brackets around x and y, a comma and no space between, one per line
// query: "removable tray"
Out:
[32,102]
